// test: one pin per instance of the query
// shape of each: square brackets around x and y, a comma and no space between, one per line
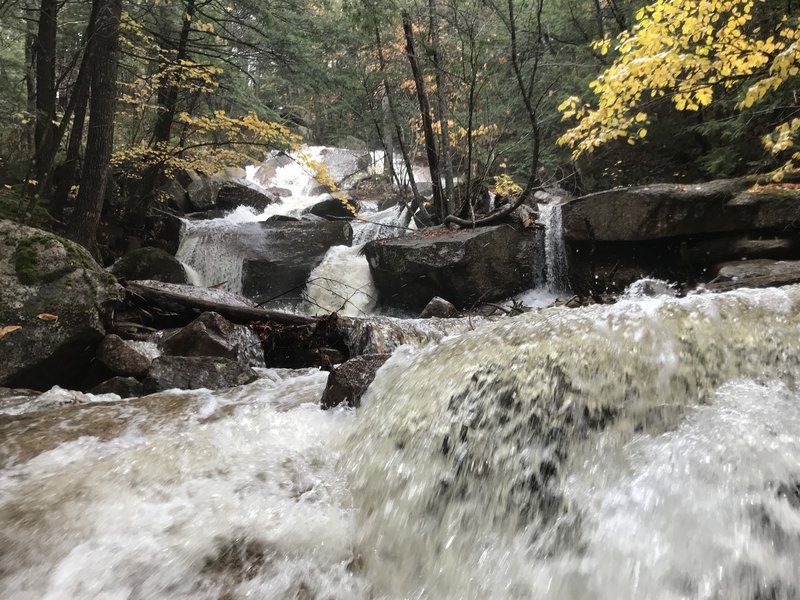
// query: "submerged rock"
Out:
[53,300]
[208,335]
[195,372]
[120,358]
[439,307]
[463,267]
[124,387]
[348,382]
[152,264]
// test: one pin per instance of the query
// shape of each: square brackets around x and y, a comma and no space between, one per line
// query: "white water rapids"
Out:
[649,449]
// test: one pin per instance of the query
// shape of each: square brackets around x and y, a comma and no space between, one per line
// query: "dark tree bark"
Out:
[441,108]
[85,219]
[417,207]
[427,124]
[45,49]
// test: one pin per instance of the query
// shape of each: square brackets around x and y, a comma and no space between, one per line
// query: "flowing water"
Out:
[649,449]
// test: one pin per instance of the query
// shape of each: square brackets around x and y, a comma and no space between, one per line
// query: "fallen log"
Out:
[188,302]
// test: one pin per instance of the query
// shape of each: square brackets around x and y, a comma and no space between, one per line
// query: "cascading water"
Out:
[555,253]
[524,459]
[342,283]
[649,449]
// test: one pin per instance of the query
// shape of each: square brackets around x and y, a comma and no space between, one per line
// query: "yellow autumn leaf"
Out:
[47,317]
[4,331]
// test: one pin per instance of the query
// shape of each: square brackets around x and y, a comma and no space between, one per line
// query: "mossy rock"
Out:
[44,257]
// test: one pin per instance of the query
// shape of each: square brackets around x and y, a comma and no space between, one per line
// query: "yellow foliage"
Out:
[687,50]
[505,186]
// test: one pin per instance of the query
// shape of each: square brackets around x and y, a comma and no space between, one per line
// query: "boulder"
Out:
[120,358]
[335,208]
[202,194]
[195,372]
[163,231]
[348,382]
[278,256]
[231,195]
[676,232]
[208,335]
[265,173]
[671,210]
[152,264]
[464,267]
[124,387]
[53,300]
[439,307]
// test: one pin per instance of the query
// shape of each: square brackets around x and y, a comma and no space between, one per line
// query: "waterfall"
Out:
[555,253]
[649,449]
[341,283]
[211,251]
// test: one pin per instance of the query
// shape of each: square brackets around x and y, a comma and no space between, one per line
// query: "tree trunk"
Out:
[441,108]
[45,83]
[427,124]
[418,210]
[30,82]
[85,219]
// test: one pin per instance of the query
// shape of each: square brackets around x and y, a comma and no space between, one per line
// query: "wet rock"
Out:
[463,267]
[202,194]
[265,173]
[195,372]
[120,358]
[150,264]
[53,300]
[208,335]
[280,255]
[669,210]
[124,387]
[439,307]
[756,273]
[676,232]
[348,382]
[163,231]
[335,208]
[279,192]
[232,195]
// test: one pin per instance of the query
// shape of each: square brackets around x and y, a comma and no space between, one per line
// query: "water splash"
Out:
[183,495]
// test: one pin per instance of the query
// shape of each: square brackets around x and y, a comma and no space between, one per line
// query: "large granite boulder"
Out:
[53,300]
[676,232]
[464,267]
[195,372]
[350,380]
[278,256]
[151,264]
[755,274]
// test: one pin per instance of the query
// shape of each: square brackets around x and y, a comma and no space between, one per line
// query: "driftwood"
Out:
[185,305]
